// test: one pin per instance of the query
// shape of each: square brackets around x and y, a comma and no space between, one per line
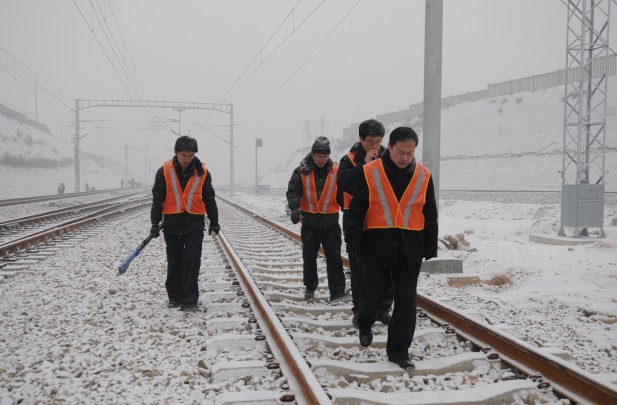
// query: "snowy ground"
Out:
[71,328]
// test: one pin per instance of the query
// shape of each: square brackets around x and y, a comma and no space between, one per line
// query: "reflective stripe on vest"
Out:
[385,211]
[327,203]
[346,196]
[178,201]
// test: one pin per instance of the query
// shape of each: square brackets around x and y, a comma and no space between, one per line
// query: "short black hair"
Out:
[371,127]
[186,144]
[403,134]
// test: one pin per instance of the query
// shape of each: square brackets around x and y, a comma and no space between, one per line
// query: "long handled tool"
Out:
[125,264]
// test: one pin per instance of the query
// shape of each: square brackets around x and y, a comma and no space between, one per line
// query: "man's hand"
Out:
[214,228]
[371,155]
[295,216]
[155,231]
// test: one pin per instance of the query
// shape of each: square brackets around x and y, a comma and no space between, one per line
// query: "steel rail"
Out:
[59,213]
[301,379]
[567,379]
[570,381]
[44,236]
[22,200]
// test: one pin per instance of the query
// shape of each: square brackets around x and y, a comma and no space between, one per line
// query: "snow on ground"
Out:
[560,296]
[74,331]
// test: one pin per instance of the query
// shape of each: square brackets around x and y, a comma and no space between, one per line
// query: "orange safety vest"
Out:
[327,203]
[346,196]
[385,211]
[188,200]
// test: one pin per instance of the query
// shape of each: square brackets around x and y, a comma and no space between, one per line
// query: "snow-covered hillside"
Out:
[518,137]
[33,163]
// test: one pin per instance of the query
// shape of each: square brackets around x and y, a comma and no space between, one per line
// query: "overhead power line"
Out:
[129,78]
[226,96]
[127,50]
[276,49]
[103,49]
[139,90]
[301,64]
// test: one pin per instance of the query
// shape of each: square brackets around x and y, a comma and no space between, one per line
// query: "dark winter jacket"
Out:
[183,223]
[380,246]
[347,171]
[295,189]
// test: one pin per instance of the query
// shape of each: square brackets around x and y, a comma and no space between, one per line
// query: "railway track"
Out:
[53,197]
[26,235]
[22,227]
[259,341]
[457,357]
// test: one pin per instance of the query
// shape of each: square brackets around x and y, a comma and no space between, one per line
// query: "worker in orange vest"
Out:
[183,195]
[367,149]
[392,225]
[311,197]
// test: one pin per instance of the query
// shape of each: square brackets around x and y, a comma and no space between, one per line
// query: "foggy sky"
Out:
[198,50]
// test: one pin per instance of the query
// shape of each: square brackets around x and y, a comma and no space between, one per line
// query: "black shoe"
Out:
[355,321]
[366,338]
[173,304]
[384,317]
[405,364]
[309,295]
[338,296]
[189,308]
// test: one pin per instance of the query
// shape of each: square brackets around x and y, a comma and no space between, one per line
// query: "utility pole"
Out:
[76,156]
[126,163]
[433,34]
[231,148]
[179,109]
[258,144]
[585,110]
[36,101]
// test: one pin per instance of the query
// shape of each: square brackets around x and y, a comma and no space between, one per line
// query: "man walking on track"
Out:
[311,196]
[392,224]
[369,148]
[183,195]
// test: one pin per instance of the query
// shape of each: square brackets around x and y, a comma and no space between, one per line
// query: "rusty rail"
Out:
[304,384]
[47,235]
[567,379]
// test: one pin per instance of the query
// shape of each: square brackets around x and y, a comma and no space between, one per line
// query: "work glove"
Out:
[295,216]
[214,228]
[155,231]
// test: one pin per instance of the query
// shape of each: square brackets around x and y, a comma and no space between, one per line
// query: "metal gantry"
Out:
[585,107]
[178,106]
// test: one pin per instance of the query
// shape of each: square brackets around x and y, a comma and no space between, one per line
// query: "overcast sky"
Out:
[352,60]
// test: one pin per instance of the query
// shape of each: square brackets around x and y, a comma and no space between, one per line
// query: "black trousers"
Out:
[330,239]
[384,303]
[183,263]
[403,324]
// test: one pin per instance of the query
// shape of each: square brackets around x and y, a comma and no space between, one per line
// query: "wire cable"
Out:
[103,49]
[300,66]
[224,98]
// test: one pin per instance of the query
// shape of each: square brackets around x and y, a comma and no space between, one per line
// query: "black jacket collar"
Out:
[195,164]
[390,167]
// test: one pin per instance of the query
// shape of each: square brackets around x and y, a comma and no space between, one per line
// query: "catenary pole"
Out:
[231,148]
[433,34]
[76,157]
